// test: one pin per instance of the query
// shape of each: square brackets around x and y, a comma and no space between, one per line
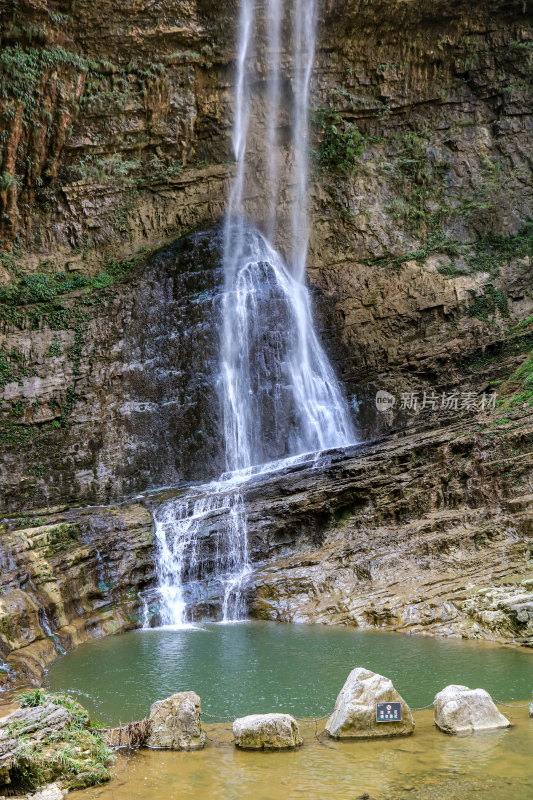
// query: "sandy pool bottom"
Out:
[427,766]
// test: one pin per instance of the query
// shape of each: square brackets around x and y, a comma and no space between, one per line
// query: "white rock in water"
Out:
[266,732]
[51,792]
[459,709]
[176,723]
[354,715]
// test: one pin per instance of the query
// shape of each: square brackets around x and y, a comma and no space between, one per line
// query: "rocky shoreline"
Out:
[50,738]
[429,531]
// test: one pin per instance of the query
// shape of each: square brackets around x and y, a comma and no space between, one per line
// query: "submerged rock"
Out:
[176,723]
[354,715]
[459,709]
[266,732]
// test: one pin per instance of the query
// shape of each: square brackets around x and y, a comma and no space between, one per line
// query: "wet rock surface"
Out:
[176,723]
[68,577]
[430,532]
[266,732]
[461,710]
[355,712]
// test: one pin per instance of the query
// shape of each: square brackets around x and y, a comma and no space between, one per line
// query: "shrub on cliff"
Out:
[341,146]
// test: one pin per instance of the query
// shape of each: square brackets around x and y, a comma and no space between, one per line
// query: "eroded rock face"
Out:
[33,724]
[176,723]
[459,709]
[354,715]
[266,732]
[68,577]
[414,290]
[327,540]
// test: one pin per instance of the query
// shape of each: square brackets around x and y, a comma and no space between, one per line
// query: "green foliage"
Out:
[41,287]
[106,94]
[13,367]
[7,374]
[55,349]
[419,182]
[483,202]
[489,254]
[22,72]
[486,304]
[518,390]
[102,281]
[31,698]
[62,537]
[160,170]
[7,181]
[104,169]
[29,522]
[341,145]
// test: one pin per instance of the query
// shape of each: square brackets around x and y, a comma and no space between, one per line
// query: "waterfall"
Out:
[278,392]
[304,52]
[194,565]
[274,12]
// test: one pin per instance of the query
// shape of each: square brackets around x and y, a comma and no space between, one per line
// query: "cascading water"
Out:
[278,392]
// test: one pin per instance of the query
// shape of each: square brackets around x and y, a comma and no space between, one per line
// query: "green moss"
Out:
[76,755]
[8,629]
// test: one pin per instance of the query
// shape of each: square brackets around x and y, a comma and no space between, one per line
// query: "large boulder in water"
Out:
[355,712]
[266,732]
[459,709]
[176,723]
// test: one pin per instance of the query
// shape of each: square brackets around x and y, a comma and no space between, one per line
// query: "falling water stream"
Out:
[278,392]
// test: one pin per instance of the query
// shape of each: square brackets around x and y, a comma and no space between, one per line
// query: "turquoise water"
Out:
[261,666]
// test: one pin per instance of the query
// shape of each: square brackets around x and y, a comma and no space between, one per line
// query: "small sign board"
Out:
[388,712]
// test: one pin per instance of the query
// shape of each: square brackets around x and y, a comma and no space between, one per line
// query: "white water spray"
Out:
[278,391]
[304,53]
[274,15]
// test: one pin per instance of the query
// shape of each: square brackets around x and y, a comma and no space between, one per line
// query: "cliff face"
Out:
[116,139]
[68,577]
[429,532]
[115,166]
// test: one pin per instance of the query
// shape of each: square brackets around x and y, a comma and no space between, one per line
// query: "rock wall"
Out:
[116,140]
[115,146]
[67,577]
[429,532]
